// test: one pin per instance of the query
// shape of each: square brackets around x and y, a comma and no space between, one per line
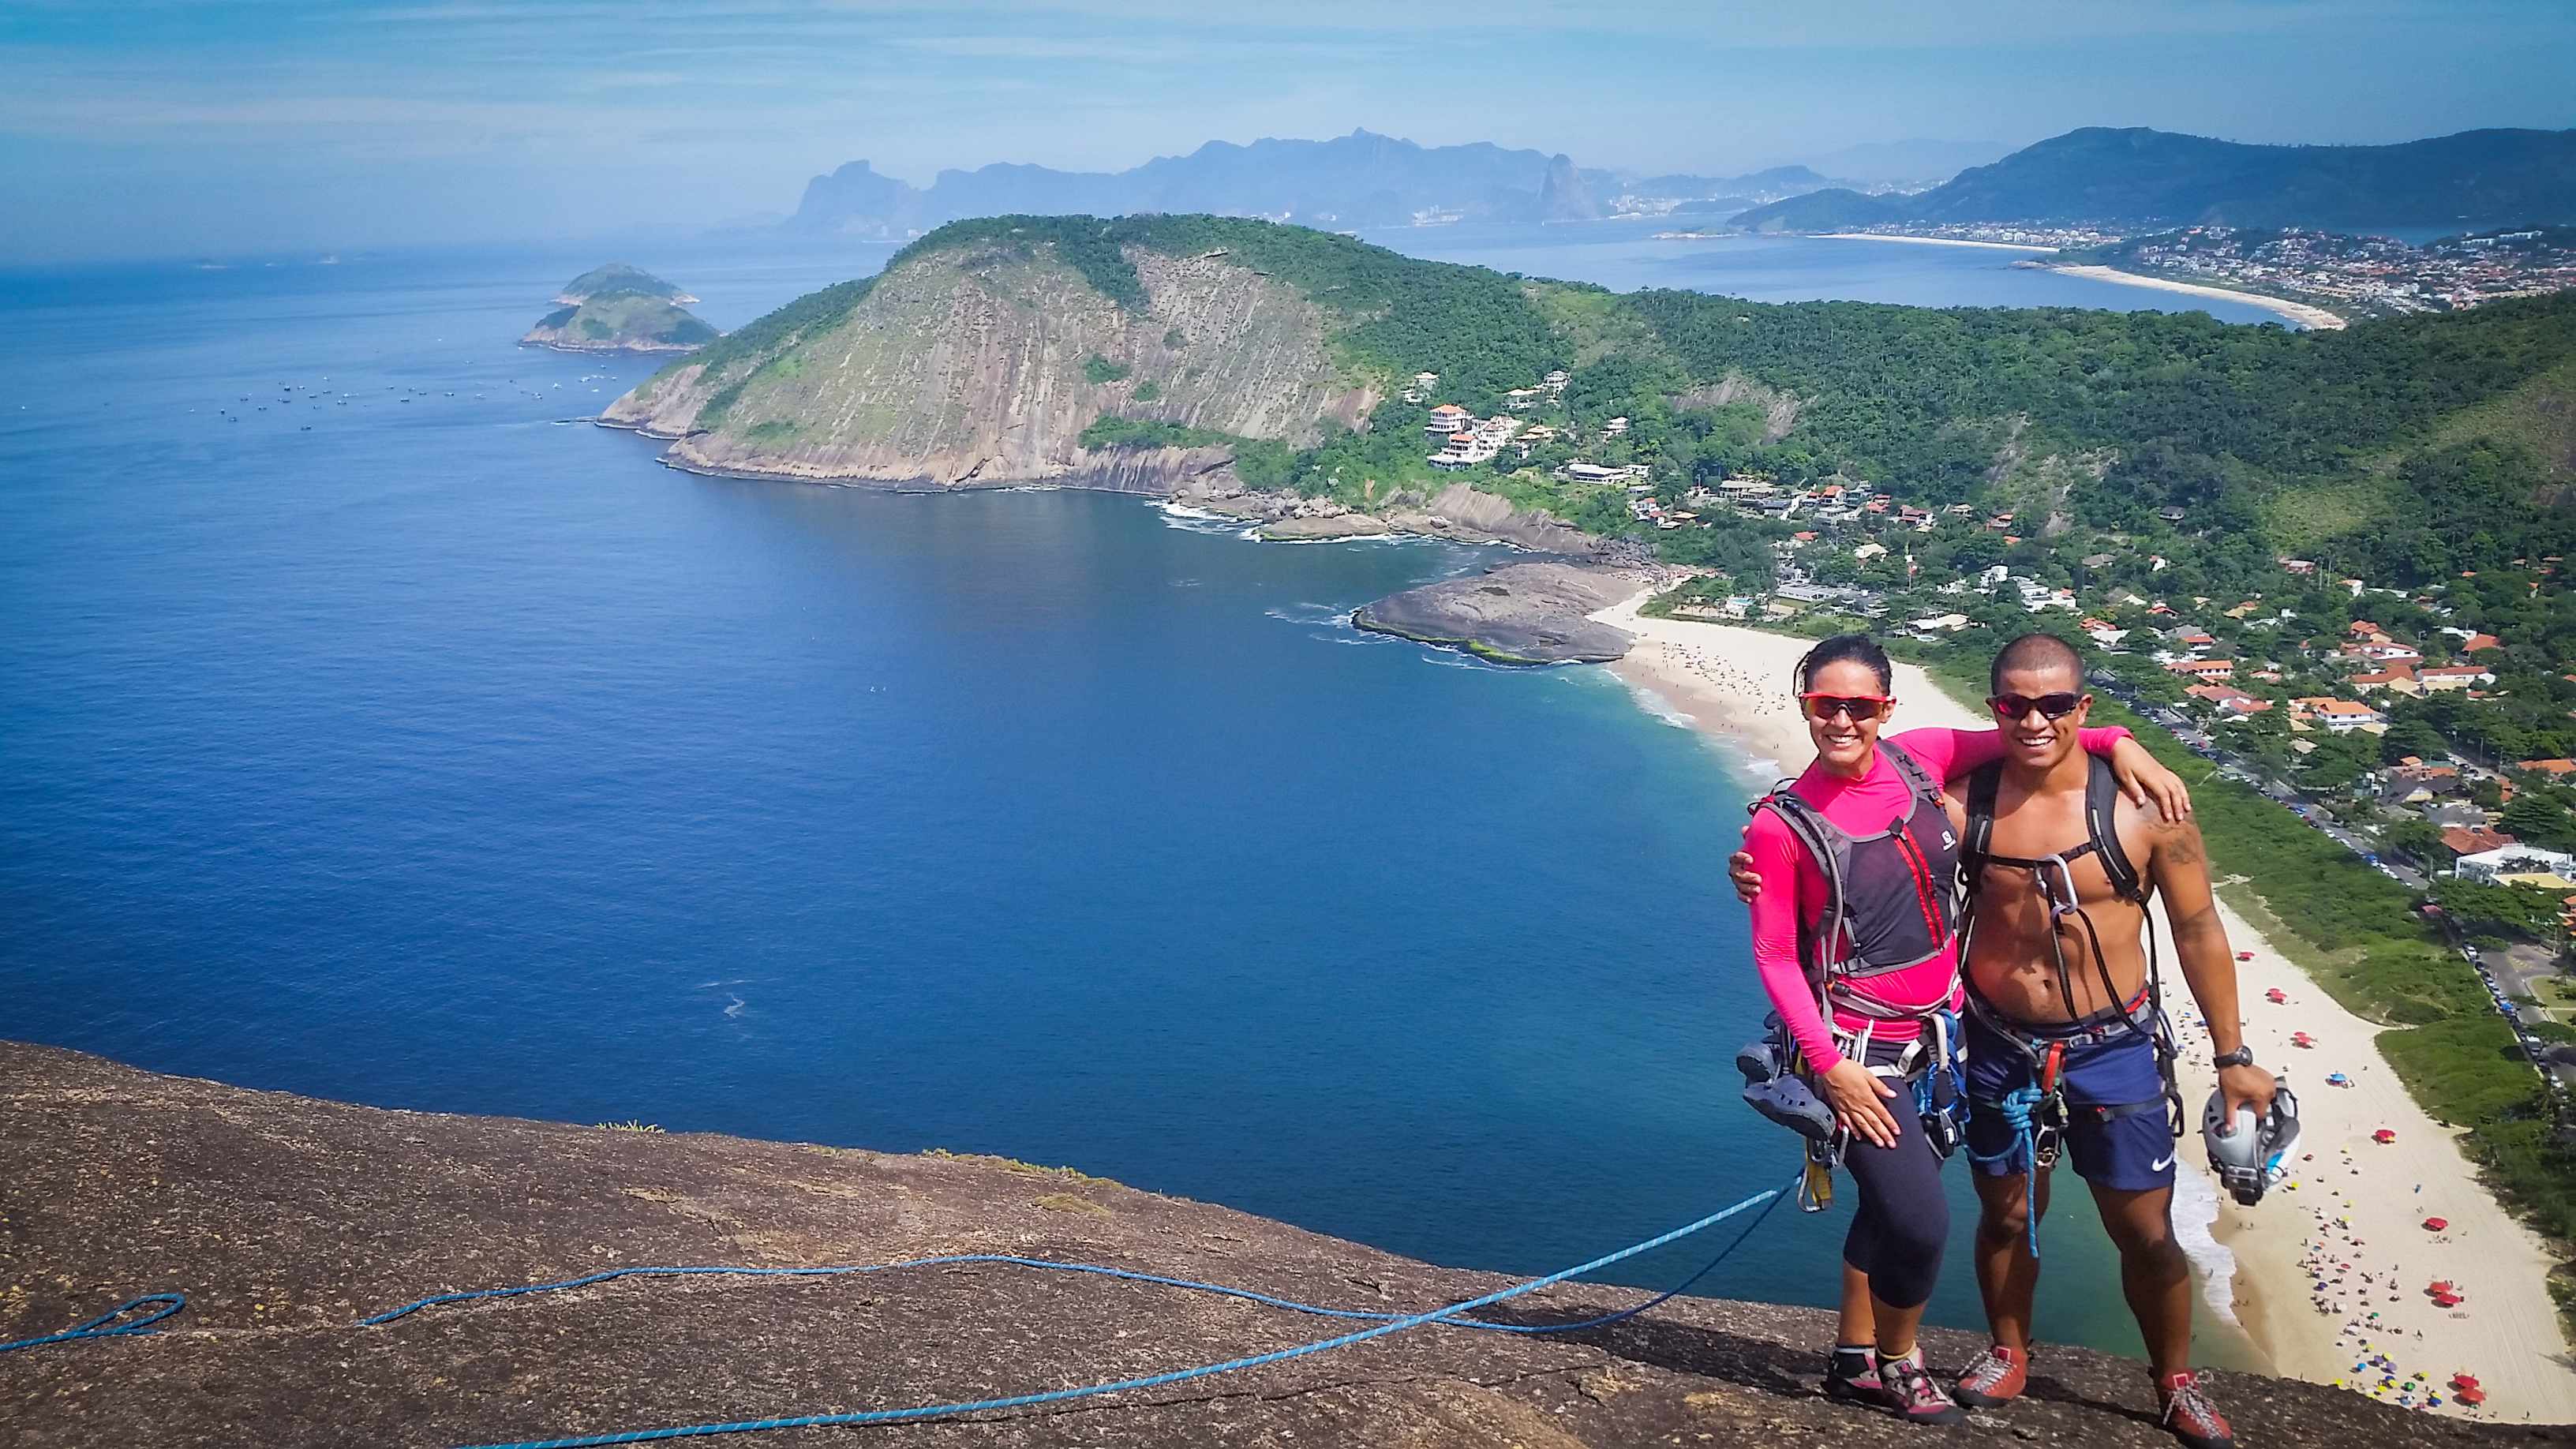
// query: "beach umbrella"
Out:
[2438,1285]
[2464,1381]
[2471,1397]
[2383,1136]
[2435,1225]
[2276,996]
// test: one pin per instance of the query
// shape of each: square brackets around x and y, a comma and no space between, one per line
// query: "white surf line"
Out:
[2299,312]
[1929,241]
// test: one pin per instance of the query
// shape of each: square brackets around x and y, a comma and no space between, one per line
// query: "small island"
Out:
[619,277]
[618,308]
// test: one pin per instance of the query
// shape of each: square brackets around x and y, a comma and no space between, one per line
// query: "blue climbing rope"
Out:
[1093,1269]
[165,1304]
[1393,1324]
[97,1327]
[2016,1107]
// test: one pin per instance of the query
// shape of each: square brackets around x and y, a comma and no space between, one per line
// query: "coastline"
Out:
[1929,241]
[2299,312]
[1732,683]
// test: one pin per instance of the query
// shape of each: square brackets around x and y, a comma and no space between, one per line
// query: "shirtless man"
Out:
[2047,1012]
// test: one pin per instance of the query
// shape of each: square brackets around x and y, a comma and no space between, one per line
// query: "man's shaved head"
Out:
[2037,652]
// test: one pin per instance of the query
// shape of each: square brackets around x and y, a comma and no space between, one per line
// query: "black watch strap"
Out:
[2243,1056]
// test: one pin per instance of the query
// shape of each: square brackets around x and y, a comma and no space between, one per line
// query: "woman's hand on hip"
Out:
[1859,1099]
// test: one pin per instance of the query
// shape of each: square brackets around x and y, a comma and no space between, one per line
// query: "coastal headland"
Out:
[2353,1200]
[285,1220]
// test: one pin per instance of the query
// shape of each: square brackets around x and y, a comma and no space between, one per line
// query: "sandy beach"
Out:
[2328,1274]
[2299,312]
[1929,241]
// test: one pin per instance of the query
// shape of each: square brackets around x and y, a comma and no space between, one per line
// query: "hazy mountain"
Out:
[2142,178]
[1911,164]
[1833,209]
[1361,179]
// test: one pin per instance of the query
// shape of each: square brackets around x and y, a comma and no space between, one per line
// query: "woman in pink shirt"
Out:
[1855,999]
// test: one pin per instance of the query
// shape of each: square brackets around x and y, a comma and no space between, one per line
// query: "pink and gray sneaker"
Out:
[1852,1378]
[2189,1413]
[1918,1399]
[1997,1377]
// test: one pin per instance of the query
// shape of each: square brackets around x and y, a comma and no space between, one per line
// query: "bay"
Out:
[381,731]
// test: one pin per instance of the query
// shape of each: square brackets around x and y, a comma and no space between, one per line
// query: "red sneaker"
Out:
[2189,1413]
[1997,1377]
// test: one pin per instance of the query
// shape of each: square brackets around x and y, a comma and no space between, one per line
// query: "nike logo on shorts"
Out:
[2161,1166]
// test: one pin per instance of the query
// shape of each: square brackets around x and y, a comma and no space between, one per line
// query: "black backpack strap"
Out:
[1977,841]
[1809,827]
[2102,824]
[1917,779]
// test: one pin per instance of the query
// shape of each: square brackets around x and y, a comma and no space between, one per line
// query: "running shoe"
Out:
[1918,1399]
[2189,1413]
[1852,1378]
[1997,1377]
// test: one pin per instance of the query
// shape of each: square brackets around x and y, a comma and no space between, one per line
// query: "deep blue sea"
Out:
[377,729]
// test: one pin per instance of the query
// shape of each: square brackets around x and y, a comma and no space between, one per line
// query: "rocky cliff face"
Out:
[285,1220]
[981,365]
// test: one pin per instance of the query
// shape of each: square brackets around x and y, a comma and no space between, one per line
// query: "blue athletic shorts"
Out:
[2134,1153]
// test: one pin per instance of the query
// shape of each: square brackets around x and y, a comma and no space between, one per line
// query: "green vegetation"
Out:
[1097,369]
[1112,431]
[627,319]
[619,277]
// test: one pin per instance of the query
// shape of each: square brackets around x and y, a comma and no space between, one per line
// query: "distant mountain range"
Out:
[1357,180]
[2152,180]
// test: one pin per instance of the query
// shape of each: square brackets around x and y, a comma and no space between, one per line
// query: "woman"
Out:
[1854,994]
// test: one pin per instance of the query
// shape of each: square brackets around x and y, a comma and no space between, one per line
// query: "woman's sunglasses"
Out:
[1862,708]
[2015,706]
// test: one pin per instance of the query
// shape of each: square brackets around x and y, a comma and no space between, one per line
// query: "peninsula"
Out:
[285,1220]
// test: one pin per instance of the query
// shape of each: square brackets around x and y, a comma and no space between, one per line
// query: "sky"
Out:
[146,128]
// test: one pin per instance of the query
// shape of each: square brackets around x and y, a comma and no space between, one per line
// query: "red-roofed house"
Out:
[2203,668]
[2559,768]
[2471,839]
[2476,642]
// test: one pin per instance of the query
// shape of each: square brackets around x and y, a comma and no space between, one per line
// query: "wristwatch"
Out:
[2243,1056]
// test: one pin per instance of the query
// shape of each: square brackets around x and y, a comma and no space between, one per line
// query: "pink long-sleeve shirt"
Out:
[1862,806]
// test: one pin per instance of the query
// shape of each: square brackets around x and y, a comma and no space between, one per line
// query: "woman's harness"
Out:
[1889,906]
[2038,1111]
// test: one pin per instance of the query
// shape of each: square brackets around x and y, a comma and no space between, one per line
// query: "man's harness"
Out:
[2038,1111]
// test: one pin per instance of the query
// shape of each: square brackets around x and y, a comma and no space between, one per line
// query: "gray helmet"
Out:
[2256,1152]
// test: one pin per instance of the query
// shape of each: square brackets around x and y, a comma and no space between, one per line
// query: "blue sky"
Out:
[224,126]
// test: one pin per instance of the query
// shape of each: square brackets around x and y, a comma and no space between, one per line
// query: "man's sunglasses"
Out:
[1861,707]
[2015,706]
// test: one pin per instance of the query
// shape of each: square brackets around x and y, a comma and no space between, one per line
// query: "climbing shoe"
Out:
[1997,1377]
[2189,1413]
[1918,1399]
[1852,1378]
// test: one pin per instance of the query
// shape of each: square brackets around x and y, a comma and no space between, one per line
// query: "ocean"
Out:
[379,729]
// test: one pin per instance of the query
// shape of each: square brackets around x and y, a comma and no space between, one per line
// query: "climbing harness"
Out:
[2038,1111]
[1383,1324]
[1888,907]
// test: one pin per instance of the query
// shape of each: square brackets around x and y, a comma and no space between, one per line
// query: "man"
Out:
[2065,1044]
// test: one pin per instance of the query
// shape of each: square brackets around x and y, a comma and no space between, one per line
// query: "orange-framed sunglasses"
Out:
[1860,707]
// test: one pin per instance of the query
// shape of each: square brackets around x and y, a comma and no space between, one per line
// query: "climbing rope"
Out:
[1384,1324]
[2016,1108]
[97,1327]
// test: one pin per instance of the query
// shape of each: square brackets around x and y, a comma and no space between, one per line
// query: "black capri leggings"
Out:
[1897,1237]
